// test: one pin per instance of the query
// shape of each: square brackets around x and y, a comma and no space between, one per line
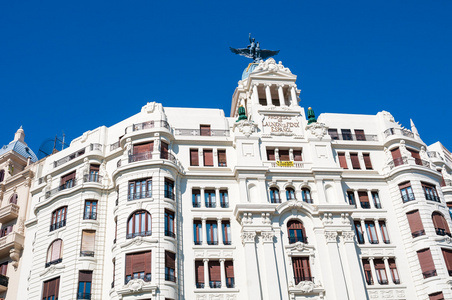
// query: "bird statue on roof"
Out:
[254,51]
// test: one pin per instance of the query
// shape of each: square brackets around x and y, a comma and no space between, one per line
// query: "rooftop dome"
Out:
[20,148]
[249,70]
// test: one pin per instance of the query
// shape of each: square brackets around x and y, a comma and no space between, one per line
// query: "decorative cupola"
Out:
[311,116]
[20,135]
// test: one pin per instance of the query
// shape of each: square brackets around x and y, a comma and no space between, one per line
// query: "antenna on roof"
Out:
[51,146]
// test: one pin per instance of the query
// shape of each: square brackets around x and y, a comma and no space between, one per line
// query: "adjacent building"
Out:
[269,203]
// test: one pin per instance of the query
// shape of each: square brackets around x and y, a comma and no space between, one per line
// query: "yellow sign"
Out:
[284,163]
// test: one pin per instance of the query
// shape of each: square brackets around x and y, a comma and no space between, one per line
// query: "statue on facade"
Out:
[254,51]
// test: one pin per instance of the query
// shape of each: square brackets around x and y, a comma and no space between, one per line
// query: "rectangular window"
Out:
[415,222]
[50,289]
[397,156]
[208,157]
[406,191]
[342,160]
[138,266]
[141,152]
[301,269]
[88,238]
[169,224]
[355,161]
[367,162]
[209,196]
[205,130]
[164,150]
[140,189]
[90,212]
[284,155]
[84,284]
[222,158]
[447,254]
[67,181]
[426,262]
[371,232]
[360,136]
[196,198]
[199,274]
[226,228]
[214,274]
[333,134]
[229,270]
[380,271]
[364,199]
[430,192]
[170,266]
[224,200]
[169,189]
[212,232]
[416,156]
[58,218]
[6,230]
[376,199]
[359,232]
[436,296]
[367,271]
[346,134]
[351,198]
[271,154]
[384,232]
[194,157]
[3,268]
[393,269]
[93,173]
[297,155]
[197,232]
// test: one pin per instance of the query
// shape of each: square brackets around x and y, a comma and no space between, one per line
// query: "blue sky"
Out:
[75,65]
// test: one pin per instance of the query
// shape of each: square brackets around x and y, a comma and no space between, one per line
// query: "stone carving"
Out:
[388,155]
[14,254]
[317,129]
[52,269]
[373,294]
[387,294]
[270,65]
[85,167]
[331,236]
[245,127]
[149,107]
[248,237]
[348,236]
[423,154]
[247,218]
[266,218]
[201,297]
[49,183]
[267,236]
[21,227]
[345,218]
[403,150]
[400,293]
[388,116]
[128,147]
[305,286]
[327,218]
[84,136]
[137,241]
[104,174]
[134,285]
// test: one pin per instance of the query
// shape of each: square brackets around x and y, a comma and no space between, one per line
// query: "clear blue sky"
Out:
[75,65]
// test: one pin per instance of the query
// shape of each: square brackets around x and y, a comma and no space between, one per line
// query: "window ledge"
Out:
[90,222]
[219,290]
[52,269]
[138,240]
[214,247]
[57,230]
[138,201]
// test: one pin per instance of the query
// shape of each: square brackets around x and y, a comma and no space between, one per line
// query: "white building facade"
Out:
[185,203]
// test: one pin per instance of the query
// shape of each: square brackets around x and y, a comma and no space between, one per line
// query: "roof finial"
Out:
[311,116]
[20,135]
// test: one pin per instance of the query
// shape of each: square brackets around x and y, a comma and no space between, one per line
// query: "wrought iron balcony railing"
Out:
[230,282]
[57,225]
[170,234]
[71,156]
[365,205]
[200,285]
[90,215]
[295,239]
[432,197]
[87,253]
[397,162]
[215,284]
[212,242]
[197,204]
[429,274]
[92,178]
[146,278]
[418,233]
[148,125]
[141,195]
[211,204]
[224,204]
[199,132]
[68,185]
[4,280]
[407,198]
[398,131]
[169,277]
[54,262]
[169,195]
[83,296]
[141,233]
[354,137]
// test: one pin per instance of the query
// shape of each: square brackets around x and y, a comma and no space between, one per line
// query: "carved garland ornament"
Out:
[331,236]
[246,127]
[267,236]
[248,237]
[317,129]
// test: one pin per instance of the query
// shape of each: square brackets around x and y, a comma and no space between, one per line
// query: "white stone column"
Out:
[377,229]
[357,203]
[252,271]
[223,273]
[340,287]
[293,94]
[219,232]
[268,94]
[276,154]
[203,197]
[282,102]
[255,95]
[206,273]
[372,269]
[273,284]
[371,201]
[217,197]
[201,157]
[291,154]
[204,231]
[388,270]
[356,287]
[364,231]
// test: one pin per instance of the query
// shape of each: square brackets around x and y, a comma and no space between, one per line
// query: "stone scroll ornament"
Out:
[254,51]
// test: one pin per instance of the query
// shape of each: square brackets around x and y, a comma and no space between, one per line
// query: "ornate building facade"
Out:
[185,203]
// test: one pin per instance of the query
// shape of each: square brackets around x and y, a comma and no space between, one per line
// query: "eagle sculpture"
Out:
[254,51]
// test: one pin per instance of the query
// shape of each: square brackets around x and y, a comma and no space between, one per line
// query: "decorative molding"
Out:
[266,218]
[245,127]
[318,130]
[327,218]
[138,241]
[348,236]
[267,236]
[248,237]
[52,269]
[331,236]
[345,218]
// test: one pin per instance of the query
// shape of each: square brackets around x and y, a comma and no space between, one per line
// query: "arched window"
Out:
[274,195]
[139,224]
[290,193]
[306,195]
[13,199]
[440,224]
[2,175]
[296,232]
[58,218]
[55,253]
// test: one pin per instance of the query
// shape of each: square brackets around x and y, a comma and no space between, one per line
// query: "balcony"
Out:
[295,239]
[198,132]
[148,125]
[148,156]
[169,195]
[3,283]
[68,185]
[57,225]
[83,296]
[442,232]
[215,284]
[170,234]
[142,195]
[71,156]
[53,262]
[115,146]
[92,178]
[85,253]
[354,137]
[9,212]
[90,216]
[398,131]
[141,233]
[13,240]
[304,278]
[418,233]
[283,164]
[146,278]
[169,277]
[421,162]
[397,162]
[429,274]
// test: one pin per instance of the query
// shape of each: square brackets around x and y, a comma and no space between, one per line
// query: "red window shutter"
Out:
[366,265]
[414,153]
[143,148]
[305,267]
[13,199]
[129,264]
[199,271]
[379,264]
[342,160]
[355,161]
[367,161]
[208,158]
[214,271]
[297,155]
[270,154]
[363,197]
[55,250]
[447,253]
[138,262]
[205,130]
[148,262]
[194,159]
[94,168]
[88,237]
[170,260]
[396,153]
[404,185]
[426,260]
[284,155]
[86,276]
[67,177]
[414,219]
[164,150]
[360,136]
[229,268]
[222,158]
[436,296]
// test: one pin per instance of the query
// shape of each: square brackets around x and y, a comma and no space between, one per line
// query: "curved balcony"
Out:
[398,131]
[148,156]
[9,212]
[92,178]
[68,185]
[201,132]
